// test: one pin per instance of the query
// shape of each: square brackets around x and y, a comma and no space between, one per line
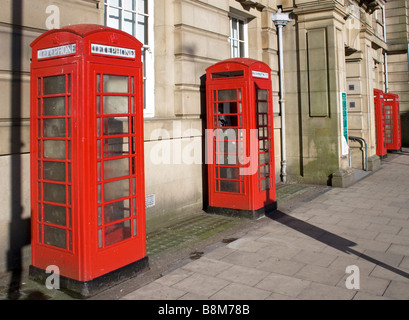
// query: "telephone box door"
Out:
[52,167]
[265,179]
[392,122]
[119,226]
[228,141]
[381,150]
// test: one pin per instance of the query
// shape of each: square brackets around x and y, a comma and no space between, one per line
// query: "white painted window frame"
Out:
[234,19]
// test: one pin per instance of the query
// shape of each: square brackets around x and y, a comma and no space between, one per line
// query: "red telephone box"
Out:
[381,150]
[392,122]
[240,141]
[87,161]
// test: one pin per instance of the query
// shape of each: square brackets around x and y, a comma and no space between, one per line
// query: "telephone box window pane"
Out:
[227,107]
[54,128]
[116,147]
[226,146]
[55,193]
[98,83]
[54,106]
[117,211]
[265,146]
[116,190]
[227,159]
[55,215]
[68,83]
[264,171]
[39,87]
[227,95]
[264,184]
[116,104]
[54,171]
[116,125]
[70,240]
[116,84]
[263,107]
[55,237]
[116,168]
[100,238]
[54,149]
[229,173]
[262,94]
[228,74]
[228,121]
[54,85]
[117,233]
[230,186]
[264,158]
[98,105]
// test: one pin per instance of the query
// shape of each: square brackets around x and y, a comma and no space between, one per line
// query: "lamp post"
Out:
[280,19]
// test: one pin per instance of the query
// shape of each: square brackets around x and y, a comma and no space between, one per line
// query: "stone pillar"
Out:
[322,75]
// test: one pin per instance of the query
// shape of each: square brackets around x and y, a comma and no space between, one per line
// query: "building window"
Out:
[136,18]
[238,37]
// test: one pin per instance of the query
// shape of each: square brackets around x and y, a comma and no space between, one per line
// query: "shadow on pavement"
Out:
[328,238]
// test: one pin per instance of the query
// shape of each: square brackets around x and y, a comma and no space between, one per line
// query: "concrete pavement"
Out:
[347,244]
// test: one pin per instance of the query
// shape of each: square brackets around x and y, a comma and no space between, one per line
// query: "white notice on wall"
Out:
[150,201]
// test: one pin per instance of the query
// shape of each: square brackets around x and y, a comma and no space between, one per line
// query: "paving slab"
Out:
[155,291]
[201,285]
[398,290]
[207,266]
[283,285]
[237,291]
[319,291]
[243,275]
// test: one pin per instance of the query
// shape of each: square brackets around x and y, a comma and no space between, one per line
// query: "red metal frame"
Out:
[392,122]
[240,119]
[381,149]
[87,160]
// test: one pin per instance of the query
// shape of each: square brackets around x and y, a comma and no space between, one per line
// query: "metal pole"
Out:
[280,20]
[282,104]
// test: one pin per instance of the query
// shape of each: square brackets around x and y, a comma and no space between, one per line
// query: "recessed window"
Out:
[238,37]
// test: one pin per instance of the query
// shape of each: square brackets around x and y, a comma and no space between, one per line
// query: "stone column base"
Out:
[343,178]
[374,163]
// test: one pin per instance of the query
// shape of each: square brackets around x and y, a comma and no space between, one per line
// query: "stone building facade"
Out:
[397,38]
[332,49]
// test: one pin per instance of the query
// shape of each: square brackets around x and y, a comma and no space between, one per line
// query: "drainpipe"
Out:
[280,19]
[386,53]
